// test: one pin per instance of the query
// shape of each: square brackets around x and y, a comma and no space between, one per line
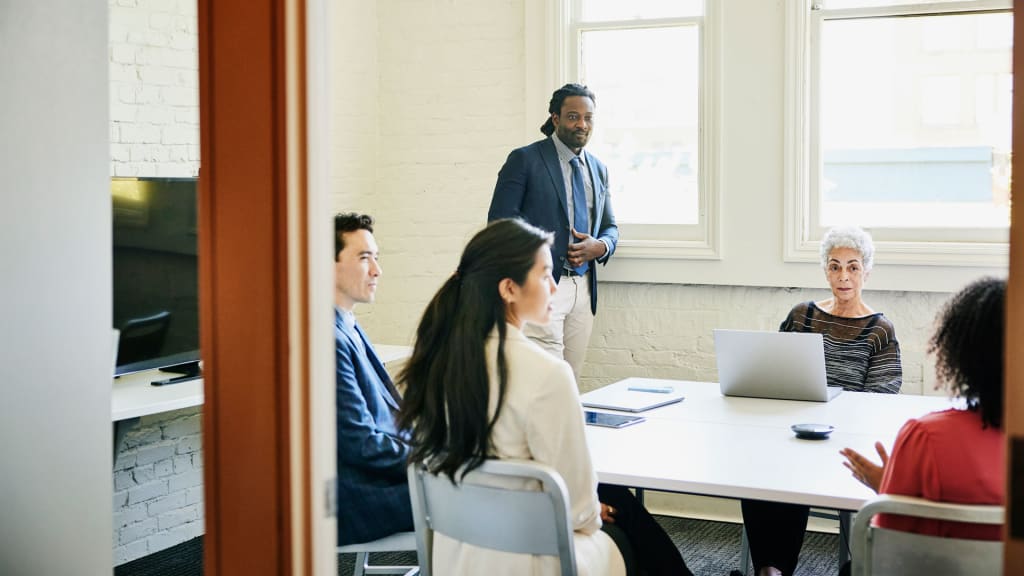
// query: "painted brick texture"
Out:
[354,110]
[450,104]
[154,93]
[158,476]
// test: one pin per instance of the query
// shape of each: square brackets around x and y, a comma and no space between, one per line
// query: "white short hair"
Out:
[848,237]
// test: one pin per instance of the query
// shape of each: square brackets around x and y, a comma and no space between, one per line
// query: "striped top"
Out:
[861,354]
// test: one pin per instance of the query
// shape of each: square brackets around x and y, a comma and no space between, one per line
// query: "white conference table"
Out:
[732,447]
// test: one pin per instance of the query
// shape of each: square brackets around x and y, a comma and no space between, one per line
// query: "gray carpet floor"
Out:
[185,559]
[709,548]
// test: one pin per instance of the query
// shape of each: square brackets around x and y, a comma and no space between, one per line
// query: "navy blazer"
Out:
[530,186]
[373,491]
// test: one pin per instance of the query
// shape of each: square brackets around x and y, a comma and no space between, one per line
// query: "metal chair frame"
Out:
[531,521]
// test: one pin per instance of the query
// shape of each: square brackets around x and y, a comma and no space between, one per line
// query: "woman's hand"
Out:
[869,473]
[607,513]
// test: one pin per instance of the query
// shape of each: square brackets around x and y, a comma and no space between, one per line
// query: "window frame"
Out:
[802,148]
[699,241]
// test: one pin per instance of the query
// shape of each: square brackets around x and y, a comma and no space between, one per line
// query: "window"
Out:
[647,61]
[901,115]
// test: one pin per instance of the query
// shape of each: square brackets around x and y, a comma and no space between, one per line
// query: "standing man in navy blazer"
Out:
[556,185]
[373,493]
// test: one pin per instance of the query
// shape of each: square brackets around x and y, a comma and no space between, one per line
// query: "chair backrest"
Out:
[883,551]
[143,338]
[474,511]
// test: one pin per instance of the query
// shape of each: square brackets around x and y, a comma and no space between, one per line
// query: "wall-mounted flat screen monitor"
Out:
[155,265]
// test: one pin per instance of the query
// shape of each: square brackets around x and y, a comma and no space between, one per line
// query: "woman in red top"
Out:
[954,455]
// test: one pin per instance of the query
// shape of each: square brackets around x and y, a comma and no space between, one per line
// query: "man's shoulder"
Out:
[531,156]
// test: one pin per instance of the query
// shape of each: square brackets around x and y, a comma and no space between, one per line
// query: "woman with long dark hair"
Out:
[477,388]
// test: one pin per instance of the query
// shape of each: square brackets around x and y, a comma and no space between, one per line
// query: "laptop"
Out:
[778,365]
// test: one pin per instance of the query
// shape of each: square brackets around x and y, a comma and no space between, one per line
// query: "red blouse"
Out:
[946,456]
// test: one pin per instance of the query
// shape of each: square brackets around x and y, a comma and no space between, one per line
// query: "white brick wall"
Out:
[158,485]
[664,331]
[154,131]
[154,94]
[354,105]
[450,104]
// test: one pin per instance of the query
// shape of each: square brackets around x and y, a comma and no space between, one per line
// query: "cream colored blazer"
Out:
[541,420]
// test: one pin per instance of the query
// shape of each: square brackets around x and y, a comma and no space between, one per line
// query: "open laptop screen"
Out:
[780,365]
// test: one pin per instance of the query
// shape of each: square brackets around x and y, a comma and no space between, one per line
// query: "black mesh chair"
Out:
[143,338]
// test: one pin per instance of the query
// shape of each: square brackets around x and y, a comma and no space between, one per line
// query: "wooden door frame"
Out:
[255,289]
[1013,419]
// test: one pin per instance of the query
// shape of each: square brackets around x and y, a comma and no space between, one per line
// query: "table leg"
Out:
[845,522]
[745,562]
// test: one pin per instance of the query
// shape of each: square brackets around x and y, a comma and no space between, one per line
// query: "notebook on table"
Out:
[632,396]
[776,365]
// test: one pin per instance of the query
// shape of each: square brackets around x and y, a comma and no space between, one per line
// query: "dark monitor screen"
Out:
[155,265]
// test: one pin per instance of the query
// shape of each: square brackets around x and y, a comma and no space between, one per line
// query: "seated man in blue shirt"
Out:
[373,494]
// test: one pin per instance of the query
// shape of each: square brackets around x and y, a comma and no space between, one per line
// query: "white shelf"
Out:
[134,396]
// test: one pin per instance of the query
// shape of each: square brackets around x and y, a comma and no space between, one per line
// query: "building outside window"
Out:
[908,112]
[647,62]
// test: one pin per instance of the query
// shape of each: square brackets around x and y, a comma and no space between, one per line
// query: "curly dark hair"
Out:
[968,347]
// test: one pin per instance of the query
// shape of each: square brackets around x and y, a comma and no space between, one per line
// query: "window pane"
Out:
[646,83]
[601,10]
[915,125]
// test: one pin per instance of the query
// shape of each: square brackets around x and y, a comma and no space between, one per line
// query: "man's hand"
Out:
[869,473]
[586,249]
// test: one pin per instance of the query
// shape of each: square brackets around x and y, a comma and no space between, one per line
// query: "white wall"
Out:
[451,89]
[154,131]
[154,88]
[354,75]
[55,345]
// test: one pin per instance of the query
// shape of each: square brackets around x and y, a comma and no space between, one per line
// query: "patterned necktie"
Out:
[579,208]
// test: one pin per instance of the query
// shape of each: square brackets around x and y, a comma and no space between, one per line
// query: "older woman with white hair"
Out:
[861,354]
[861,350]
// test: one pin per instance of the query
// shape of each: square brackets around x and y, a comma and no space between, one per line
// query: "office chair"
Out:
[401,542]
[143,338]
[532,521]
[881,551]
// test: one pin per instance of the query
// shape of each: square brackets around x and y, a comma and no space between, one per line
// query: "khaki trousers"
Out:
[568,334]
